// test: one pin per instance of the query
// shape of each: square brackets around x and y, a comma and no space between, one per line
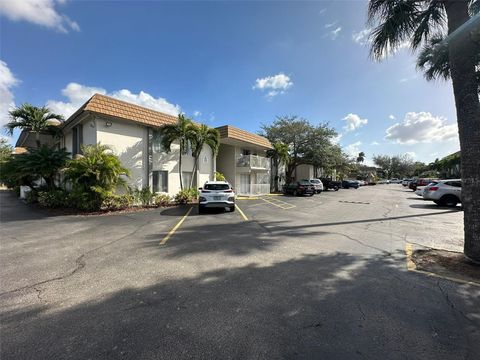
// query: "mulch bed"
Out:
[447,263]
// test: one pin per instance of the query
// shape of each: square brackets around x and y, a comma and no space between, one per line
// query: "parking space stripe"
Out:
[171,232]
[241,212]
[279,203]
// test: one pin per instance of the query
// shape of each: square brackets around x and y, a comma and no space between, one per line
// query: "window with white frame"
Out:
[157,146]
[160,181]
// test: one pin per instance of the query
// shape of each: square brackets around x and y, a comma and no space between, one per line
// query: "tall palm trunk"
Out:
[37,139]
[195,168]
[180,167]
[462,51]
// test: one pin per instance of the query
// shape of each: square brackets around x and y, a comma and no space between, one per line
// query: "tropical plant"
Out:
[449,32]
[5,150]
[162,200]
[201,136]
[181,132]
[186,196]
[36,119]
[95,175]
[143,196]
[279,154]
[54,198]
[361,157]
[219,176]
[117,202]
[43,162]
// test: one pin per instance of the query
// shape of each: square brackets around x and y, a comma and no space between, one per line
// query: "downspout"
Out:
[149,157]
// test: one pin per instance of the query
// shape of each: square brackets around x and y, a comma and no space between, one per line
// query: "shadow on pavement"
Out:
[331,306]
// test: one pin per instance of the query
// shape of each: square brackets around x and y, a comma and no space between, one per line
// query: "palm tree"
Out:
[36,119]
[279,154]
[202,135]
[449,32]
[181,132]
[361,157]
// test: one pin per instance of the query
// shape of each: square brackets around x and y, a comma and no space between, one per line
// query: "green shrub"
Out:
[186,195]
[117,202]
[56,198]
[31,197]
[162,200]
[219,176]
[143,196]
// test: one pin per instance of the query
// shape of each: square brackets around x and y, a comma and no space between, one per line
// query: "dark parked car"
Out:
[330,184]
[416,183]
[347,184]
[301,187]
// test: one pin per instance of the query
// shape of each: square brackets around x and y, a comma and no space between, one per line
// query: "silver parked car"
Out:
[444,192]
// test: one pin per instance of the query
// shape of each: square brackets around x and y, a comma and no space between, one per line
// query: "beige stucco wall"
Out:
[304,172]
[128,141]
[226,163]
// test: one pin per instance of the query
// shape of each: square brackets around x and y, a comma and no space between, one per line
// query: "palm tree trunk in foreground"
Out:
[462,66]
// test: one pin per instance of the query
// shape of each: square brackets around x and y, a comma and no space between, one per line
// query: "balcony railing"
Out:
[253,161]
[254,189]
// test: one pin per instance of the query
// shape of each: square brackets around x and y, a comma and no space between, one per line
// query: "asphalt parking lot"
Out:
[281,277]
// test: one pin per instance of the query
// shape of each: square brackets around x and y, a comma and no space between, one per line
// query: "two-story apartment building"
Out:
[132,133]
[242,159]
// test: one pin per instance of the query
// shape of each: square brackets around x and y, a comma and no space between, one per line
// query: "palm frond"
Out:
[433,59]
[397,23]
[433,17]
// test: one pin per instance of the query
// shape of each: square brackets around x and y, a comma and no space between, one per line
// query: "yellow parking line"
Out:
[171,232]
[278,203]
[412,267]
[241,212]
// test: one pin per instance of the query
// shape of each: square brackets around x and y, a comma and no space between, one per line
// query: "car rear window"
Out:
[315,181]
[217,187]
[454,183]
[304,182]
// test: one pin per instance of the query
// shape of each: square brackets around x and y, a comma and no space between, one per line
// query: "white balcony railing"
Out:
[253,161]
[254,189]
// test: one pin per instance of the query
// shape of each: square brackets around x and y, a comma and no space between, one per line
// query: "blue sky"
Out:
[238,63]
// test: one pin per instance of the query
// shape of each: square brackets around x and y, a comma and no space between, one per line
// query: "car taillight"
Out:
[433,188]
[301,187]
[228,191]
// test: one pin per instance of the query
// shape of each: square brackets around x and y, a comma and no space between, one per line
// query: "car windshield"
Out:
[217,187]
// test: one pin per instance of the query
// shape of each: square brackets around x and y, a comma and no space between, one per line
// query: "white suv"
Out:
[444,192]
[317,184]
[216,194]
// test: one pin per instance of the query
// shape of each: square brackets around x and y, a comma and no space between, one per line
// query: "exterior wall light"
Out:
[108,123]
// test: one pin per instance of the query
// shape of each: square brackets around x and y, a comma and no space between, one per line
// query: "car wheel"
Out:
[449,200]
[319,191]
[335,188]
[312,194]
[232,208]
[437,202]
[295,193]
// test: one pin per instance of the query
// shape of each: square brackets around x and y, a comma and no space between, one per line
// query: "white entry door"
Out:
[244,184]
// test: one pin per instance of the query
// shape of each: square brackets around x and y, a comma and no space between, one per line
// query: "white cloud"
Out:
[391,117]
[353,121]
[40,12]
[197,113]
[330,25]
[353,149]
[421,127]
[322,11]
[374,143]
[274,85]
[78,94]
[412,154]
[361,37]
[7,81]
[335,140]
[334,33]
